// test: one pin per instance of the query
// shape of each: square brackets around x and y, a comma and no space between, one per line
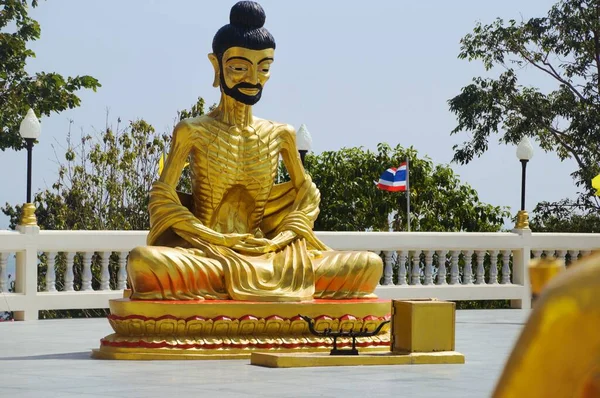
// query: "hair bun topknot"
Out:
[247,14]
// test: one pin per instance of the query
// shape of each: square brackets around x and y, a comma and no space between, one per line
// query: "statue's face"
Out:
[243,72]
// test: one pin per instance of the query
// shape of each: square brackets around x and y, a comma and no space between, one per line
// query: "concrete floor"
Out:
[51,358]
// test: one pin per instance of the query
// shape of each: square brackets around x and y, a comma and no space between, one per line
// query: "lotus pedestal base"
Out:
[228,329]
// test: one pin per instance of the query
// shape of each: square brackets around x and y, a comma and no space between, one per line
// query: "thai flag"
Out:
[393,179]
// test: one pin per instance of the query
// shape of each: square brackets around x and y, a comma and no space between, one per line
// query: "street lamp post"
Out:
[303,141]
[30,130]
[524,153]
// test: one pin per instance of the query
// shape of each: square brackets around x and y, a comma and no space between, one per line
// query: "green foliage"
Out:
[563,46]
[350,201]
[45,92]
[563,216]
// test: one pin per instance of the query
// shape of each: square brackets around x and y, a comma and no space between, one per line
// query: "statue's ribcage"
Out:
[232,161]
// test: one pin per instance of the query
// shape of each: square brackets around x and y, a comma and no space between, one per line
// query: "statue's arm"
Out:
[181,146]
[291,157]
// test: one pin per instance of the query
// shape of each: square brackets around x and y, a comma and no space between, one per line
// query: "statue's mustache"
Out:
[248,85]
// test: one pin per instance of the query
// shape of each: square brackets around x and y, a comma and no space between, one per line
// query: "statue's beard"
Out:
[237,95]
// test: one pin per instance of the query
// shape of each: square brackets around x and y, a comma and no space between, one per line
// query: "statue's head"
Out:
[242,53]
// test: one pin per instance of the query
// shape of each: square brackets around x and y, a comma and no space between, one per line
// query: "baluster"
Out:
[506,266]
[69,278]
[480,271]
[50,272]
[86,275]
[122,275]
[402,268]
[537,253]
[416,269]
[441,276]
[573,254]
[561,256]
[493,267]
[4,272]
[468,269]
[388,267]
[104,272]
[454,267]
[429,267]
[585,253]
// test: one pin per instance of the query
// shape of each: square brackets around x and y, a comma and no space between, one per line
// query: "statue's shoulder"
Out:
[274,128]
[193,126]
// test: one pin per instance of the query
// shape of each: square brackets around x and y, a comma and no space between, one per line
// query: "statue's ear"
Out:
[215,63]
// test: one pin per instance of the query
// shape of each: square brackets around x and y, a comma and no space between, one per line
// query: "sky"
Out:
[356,73]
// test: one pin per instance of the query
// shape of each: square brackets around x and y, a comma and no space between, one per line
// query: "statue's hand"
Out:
[265,245]
[230,240]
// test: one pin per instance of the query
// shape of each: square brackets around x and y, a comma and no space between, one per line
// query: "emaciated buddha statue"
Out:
[239,235]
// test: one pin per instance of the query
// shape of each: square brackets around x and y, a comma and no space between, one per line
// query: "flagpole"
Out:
[407,197]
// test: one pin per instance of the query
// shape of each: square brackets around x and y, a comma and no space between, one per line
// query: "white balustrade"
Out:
[441,254]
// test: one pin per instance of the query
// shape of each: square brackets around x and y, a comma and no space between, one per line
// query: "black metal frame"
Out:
[362,332]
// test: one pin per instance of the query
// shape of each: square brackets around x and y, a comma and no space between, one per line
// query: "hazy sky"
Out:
[356,73]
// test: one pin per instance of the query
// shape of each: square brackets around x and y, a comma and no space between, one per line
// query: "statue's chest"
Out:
[238,160]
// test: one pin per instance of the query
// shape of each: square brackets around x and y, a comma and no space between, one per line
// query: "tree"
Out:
[350,200]
[45,92]
[105,180]
[564,46]
[103,184]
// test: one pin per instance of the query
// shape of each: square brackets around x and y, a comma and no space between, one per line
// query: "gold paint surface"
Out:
[239,235]
[28,215]
[211,329]
[558,351]
[522,220]
[423,326]
[542,271]
[301,360]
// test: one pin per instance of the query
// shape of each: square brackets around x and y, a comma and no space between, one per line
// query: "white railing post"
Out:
[26,274]
[493,278]
[468,268]
[480,270]
[122,275]
[454,267]
[388,267]
[104,272]
[50,272]
[69,276]
[416,269]
[520,271]
[441,276]
[402,254]
[86,273]
[429,267]
[4,272]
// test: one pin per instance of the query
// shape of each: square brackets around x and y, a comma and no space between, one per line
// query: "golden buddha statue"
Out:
[239,235]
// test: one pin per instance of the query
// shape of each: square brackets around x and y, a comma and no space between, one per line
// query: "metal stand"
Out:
[363,332]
